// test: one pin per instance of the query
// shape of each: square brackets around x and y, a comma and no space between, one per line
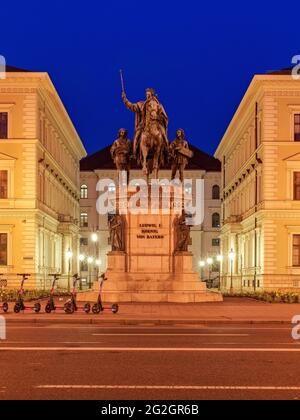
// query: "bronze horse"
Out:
[151,139]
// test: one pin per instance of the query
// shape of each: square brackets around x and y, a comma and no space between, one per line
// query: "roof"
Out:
[12,69]
[283,72]
[102,161]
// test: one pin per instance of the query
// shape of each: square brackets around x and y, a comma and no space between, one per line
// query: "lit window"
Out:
[3,248]
[3,184]
[216,192]
[84,192]
[216,220]
[297,127]
[296,185]
[3,125]
[84,222]
[296,250]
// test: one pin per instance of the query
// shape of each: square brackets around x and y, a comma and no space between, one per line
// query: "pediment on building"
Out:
[4,156]
[294,157]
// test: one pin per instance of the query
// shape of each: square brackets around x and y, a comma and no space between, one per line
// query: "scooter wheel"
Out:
[69,308]
[48,309]
[5,307]
[87,308]
[17,308]
[96,309]
[37,308]
[115,308]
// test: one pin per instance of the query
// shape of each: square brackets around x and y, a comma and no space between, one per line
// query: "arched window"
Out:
[216,222]
[216,192]
[84,191]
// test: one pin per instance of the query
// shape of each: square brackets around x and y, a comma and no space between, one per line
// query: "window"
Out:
[216,242]
[84,192]
[296,250]
[297,127]
[3,125]
[3,248]
[189,189]
[216,192]
[84,242]
[112,188]
[296,185]
[84,222]
[3,184]
[84,266]
[216,220]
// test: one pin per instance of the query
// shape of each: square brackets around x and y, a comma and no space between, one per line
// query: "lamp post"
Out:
[210,262]
[69,255]
[95,241]
[90,262]
[231,259]
[220,260]
[81,260]
[202,265]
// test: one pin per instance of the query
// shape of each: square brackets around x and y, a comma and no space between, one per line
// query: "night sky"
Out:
[199,56]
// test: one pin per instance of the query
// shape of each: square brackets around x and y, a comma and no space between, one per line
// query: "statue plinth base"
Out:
[150,270]
[183,263]
[116,262]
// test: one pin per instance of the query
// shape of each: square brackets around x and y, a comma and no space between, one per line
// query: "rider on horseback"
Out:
[151,121]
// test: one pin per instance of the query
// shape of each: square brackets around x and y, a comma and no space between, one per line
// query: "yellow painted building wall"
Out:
[41,154]
[265,225]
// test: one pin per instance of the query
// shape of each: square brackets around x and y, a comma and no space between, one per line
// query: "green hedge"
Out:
[279,296]
[30,295]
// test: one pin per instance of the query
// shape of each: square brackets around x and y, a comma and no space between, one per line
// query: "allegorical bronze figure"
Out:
[182,234]
[151,132]
[180,154]
[117,233]
[121,152]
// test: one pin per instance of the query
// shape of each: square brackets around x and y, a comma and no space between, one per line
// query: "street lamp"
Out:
[69,255]
[231,259]
[95,240]
[94,237]
[210,262]
[81,259]
[202,265]
[90,261]
[220,259]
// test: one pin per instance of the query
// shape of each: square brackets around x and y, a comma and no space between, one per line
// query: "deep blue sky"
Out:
[199,56]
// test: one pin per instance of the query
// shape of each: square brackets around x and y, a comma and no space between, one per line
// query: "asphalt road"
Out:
[149,362]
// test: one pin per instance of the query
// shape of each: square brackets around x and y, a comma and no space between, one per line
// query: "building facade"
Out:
[260,155]
[94,227]
[40,152]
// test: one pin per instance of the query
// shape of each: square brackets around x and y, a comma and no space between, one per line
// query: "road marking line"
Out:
[170,335]
[174,387]
[152,349]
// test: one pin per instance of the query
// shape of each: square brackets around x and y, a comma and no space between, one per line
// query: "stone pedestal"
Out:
[149,270]
[116,262]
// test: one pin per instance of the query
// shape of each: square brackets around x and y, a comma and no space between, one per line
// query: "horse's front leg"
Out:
[145,156]
[156,162]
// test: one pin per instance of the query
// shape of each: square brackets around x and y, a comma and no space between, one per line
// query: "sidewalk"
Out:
[232,310]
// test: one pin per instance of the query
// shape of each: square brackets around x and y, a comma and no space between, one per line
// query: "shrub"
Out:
[278,296]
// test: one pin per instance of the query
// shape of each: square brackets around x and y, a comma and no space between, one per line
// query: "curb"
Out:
[143,322]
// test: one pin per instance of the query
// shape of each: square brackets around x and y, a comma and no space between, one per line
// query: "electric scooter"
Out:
[71,305]
[20,305]
[98,307]
[3,304]
[51,306]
